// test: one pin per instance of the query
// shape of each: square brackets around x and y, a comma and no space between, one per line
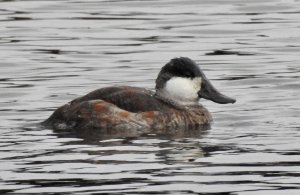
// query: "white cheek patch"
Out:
[183,89]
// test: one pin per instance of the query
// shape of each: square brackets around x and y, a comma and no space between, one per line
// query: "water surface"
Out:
[54,51]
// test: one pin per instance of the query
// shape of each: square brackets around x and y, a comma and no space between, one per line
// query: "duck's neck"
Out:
[174,101]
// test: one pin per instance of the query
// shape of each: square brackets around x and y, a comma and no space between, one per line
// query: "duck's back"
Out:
[132,99]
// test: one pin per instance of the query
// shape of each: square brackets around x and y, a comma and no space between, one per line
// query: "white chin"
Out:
[182,90]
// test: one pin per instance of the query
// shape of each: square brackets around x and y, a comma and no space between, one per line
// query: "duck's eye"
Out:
[188,74]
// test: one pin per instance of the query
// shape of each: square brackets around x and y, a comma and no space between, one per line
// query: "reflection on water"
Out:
[54,51]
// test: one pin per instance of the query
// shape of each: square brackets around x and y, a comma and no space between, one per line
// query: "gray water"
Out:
[54,51]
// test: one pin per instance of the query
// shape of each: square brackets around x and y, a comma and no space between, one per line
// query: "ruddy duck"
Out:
[175,103]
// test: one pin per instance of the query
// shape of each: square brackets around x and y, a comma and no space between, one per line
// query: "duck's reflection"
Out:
[173,145]
[186,150]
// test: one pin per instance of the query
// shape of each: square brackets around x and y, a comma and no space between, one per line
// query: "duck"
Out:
[174,104]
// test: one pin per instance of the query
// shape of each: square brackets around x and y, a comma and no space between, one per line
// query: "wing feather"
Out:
[132,99]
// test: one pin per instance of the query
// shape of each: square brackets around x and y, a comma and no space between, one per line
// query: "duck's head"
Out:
[181,80]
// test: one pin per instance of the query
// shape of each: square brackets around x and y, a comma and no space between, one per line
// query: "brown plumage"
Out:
[126,107]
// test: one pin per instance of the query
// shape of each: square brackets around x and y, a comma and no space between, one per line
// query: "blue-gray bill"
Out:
[209,92]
